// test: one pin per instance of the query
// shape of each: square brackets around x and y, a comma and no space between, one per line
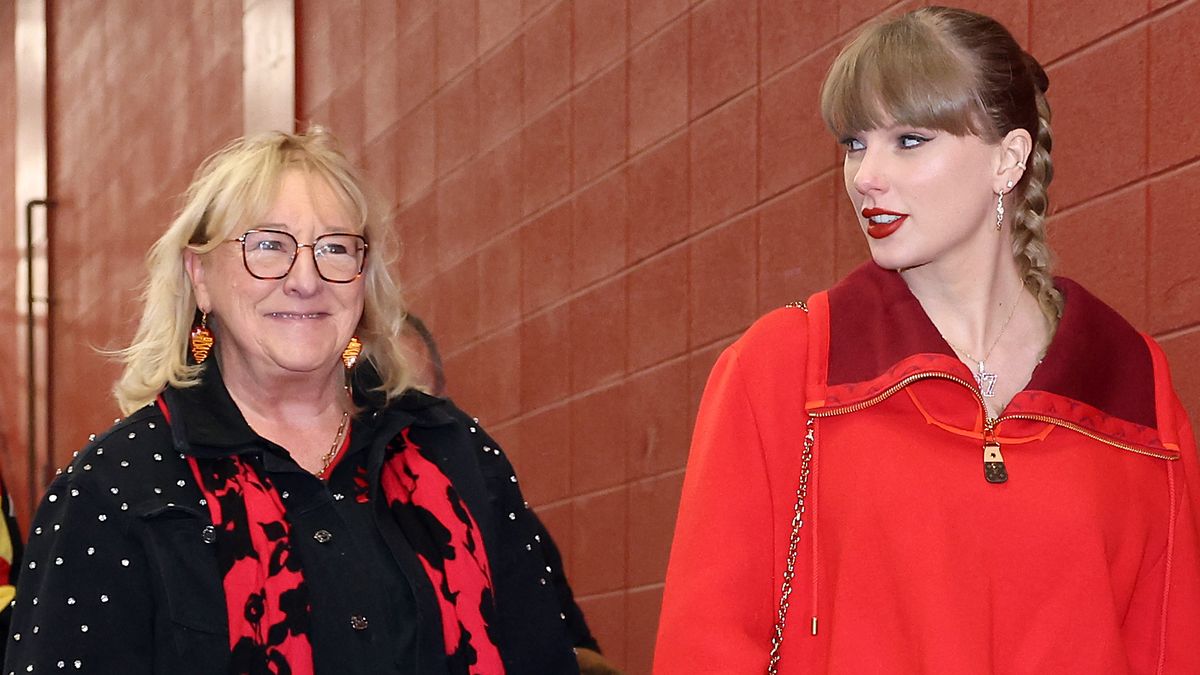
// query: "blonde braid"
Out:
[1030,248]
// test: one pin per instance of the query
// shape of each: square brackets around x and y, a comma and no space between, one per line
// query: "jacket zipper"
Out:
[1080,430]
[993,460]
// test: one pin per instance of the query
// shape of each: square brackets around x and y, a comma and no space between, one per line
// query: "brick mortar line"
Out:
[666,25]
[621,591]
[1143,180]
[1028,22]
[601,492]
[644,587]
[504,422]
[1099,41]
[1177,333]
[826,173]
[603,595]
[571,499]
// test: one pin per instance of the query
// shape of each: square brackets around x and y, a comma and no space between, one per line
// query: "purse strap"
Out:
[789,570]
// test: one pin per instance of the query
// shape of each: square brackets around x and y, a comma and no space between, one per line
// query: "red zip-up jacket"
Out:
[1085,560]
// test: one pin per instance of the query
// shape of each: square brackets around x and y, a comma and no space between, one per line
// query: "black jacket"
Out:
[119,578]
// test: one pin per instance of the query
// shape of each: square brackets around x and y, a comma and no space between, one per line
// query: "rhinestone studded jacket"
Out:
[120,576]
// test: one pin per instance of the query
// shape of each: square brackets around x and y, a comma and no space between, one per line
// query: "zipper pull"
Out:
[993,462]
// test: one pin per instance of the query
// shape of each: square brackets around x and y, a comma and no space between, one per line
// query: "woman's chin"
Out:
[890,260]
[305,361]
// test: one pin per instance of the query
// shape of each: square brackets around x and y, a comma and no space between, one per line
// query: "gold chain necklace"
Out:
[336,447]
[983,377]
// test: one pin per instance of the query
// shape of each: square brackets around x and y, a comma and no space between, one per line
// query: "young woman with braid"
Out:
[951,461]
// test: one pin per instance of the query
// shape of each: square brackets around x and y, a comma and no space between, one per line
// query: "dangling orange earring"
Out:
[351,352]
[202,340]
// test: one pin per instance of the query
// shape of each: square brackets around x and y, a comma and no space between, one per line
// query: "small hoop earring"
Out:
[351,352]
[999,210]
[1022,166]
[201,340]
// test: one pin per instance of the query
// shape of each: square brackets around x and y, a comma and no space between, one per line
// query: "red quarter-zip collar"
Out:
[1098,372]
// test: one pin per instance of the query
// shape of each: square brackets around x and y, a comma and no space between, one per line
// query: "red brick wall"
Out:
[597,196]
[139,93]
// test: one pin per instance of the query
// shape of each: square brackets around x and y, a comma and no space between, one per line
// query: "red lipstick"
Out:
[881,230]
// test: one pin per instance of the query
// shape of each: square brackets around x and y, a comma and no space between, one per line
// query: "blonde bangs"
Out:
[243,185]
[902,72]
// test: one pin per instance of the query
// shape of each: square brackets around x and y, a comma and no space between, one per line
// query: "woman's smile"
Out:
[297,315]
[881,223]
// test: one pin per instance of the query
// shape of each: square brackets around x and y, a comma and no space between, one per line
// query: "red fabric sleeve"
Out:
[1181,613]
[1178,584]
[718,607]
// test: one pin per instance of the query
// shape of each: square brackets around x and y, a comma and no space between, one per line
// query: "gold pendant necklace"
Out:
[336,447]
[983,377]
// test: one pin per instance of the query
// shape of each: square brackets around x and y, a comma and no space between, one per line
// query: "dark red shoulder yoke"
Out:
[1096,356]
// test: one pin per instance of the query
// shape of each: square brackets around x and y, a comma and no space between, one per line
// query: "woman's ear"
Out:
[1014,151]
[194,265]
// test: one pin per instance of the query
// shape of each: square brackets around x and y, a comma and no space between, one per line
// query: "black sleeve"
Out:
[83,603]
[527,596]
[567,609]
[581,635]
[497,461]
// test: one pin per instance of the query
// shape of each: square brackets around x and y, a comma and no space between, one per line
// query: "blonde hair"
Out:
[231,190]
[964,73]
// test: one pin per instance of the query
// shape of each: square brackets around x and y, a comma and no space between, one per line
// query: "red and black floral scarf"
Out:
[265,592]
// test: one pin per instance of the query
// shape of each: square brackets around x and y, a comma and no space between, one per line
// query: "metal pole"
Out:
[30,356]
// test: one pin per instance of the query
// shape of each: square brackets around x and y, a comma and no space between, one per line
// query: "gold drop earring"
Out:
[351,352]
[201,340]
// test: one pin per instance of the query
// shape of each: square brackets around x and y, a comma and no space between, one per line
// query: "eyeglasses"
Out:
[271,254]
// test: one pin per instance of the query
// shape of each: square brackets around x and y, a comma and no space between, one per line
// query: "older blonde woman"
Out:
[278,499]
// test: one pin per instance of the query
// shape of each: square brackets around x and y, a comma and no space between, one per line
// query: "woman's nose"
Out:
[870,173]
[303,277]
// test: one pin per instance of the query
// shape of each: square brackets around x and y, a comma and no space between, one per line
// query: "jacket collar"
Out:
[879,334]
[205,422]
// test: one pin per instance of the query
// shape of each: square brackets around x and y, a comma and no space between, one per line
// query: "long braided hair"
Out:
[964,73]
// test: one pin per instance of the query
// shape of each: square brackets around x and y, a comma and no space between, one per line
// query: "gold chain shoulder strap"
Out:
[798,304]
[793,545]
[789,571]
